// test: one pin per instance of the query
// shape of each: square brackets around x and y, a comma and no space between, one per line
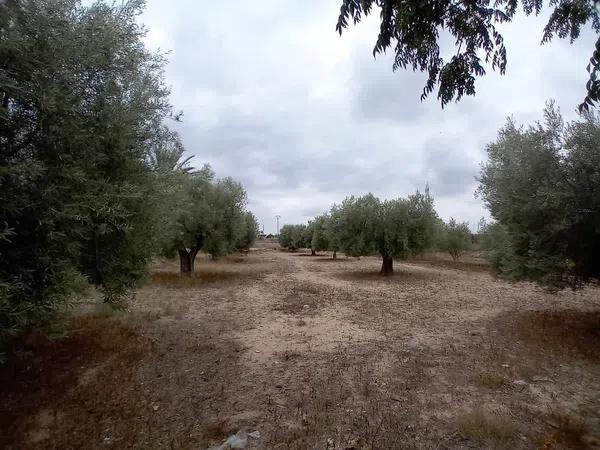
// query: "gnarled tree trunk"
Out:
[186,261]
[313,252]
[187,257]
[335,254]
[387,266]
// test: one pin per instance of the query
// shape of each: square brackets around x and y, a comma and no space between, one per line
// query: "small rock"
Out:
[235,441]
[107,437]
[520,382]
[505,365]
[254,434]
[305,306]
[155,407]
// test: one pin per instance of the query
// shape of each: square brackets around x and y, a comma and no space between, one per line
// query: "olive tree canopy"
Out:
[542,186]
[395,228]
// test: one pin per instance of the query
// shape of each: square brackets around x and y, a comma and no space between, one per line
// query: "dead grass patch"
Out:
[174,279]
[468,262]
[344,404]
[491,380]
[571,332]
[52,375]
[289,355]
[457,265]
[567,432]
[216,430]
[302,298]
[480,425]
[330,259]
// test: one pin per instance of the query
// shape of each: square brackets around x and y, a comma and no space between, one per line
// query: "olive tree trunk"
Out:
[335,254]
[313,252]
[387,266]
[186,261]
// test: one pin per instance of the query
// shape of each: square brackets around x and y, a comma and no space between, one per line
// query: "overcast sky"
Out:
[275,98]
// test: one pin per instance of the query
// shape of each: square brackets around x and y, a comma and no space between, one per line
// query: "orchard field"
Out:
[317,353]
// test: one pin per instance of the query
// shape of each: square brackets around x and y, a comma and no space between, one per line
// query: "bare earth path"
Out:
[317,353]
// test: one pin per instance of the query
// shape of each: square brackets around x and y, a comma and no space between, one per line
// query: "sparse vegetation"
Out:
[567,433]
[329,365]
[481,425]
[491,380]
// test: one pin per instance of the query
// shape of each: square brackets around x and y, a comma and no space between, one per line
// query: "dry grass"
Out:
[462,264]
[567,432]
[491,380]
[342,407]
[562,332]
[98,356]
[216,430]
[301,299]
[481,425]
[371,363]
[174,279]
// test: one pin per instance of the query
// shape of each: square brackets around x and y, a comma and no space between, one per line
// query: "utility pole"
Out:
[277,217]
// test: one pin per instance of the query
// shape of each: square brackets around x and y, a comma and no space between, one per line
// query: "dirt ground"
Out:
[317,354]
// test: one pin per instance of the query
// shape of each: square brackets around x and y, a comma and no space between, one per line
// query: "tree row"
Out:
[92,185]
[393,229]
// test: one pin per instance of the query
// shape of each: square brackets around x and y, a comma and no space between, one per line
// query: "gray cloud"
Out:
[449,167]
[303,118]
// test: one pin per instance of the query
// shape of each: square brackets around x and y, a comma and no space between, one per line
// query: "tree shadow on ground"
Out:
[200,277]
[562,332]
[338,259]
[457,265]
[77,375]
[400,276]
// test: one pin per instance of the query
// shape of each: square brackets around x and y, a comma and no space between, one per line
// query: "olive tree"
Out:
[331,230]
[81,101]
[292,236]
[248,233]
[208,215]
[542,186]
[307,237]
[395,228]
[319,241]
[455,238]
[494,240]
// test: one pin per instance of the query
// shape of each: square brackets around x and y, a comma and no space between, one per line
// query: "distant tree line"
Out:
[92,182]
[394,229]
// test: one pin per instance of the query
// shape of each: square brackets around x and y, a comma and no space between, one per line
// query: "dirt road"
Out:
[317,353]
